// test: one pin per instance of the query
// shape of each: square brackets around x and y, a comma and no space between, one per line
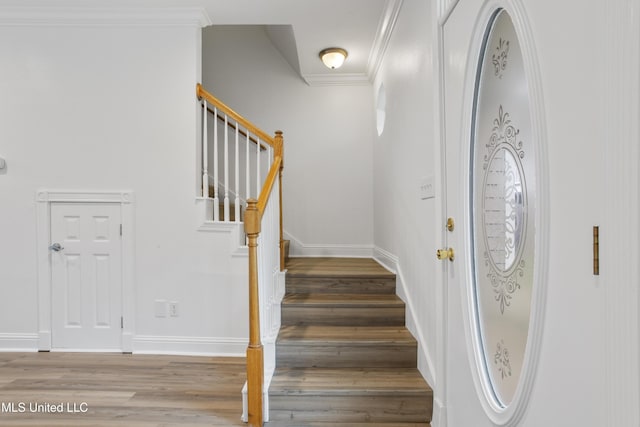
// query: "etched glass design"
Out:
[503,208]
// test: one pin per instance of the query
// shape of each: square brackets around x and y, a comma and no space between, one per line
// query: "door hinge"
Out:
[120,229]
[596,250]
[121,322]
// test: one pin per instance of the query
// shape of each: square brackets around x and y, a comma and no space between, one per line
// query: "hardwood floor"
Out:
[119,390]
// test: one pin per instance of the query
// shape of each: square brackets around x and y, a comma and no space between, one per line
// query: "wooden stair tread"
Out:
[336,267]
[353,335]
[343,300]
[347,382]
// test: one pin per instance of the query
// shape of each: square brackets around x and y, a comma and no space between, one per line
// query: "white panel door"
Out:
[86,270]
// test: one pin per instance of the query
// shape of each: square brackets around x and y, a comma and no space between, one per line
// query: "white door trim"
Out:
[44,198]
[619,235]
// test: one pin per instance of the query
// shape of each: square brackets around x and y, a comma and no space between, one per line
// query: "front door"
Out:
[86,270]
[525,341]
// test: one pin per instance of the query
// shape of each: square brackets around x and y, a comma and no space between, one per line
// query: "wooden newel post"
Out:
[255,360]
[280,152]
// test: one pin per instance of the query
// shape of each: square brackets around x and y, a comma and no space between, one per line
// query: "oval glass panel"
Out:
[503,208]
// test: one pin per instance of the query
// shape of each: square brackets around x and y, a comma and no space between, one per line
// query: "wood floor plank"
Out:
[120,390]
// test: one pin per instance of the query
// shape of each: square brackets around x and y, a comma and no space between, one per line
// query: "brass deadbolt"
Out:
[450,224]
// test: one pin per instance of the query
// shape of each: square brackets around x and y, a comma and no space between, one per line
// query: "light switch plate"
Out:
[427,188]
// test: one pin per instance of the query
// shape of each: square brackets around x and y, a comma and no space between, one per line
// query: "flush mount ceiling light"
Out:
[333,57]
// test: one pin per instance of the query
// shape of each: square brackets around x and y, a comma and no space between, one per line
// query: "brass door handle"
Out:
[445,254]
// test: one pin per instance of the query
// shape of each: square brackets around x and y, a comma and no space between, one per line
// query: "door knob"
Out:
[56,247]
[445,254]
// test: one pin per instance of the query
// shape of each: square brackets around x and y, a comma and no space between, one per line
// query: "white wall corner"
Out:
[392,263]
[299,249]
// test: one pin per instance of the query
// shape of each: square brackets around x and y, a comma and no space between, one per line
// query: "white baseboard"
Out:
[387,259]
[299,249]
[190,346]
[141,344]
[19,342]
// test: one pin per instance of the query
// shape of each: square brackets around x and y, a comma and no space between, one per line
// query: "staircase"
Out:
[343,355]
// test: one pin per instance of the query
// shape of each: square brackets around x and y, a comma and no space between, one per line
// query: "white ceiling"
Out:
[300,29]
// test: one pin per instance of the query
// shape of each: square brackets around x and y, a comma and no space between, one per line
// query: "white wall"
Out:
[106,108]
[327,132]
[404,154]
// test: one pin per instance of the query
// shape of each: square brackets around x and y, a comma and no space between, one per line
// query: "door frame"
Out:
[620,233]
[44,199]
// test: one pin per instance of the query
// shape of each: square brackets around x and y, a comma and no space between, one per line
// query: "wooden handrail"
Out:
[202,93]
[268,185]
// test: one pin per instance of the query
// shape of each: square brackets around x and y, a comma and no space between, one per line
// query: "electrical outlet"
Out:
[173,309]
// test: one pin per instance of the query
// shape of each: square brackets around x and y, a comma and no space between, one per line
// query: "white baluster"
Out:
[226,168]
[205,153]
[216,200]
[247,169]
[237,172]
[258,169]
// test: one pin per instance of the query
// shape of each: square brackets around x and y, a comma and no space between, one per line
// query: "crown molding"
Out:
[105,17]
[344,79]
[383,36]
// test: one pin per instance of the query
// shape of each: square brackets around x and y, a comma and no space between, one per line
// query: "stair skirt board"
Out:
[343,354]
[425,362]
